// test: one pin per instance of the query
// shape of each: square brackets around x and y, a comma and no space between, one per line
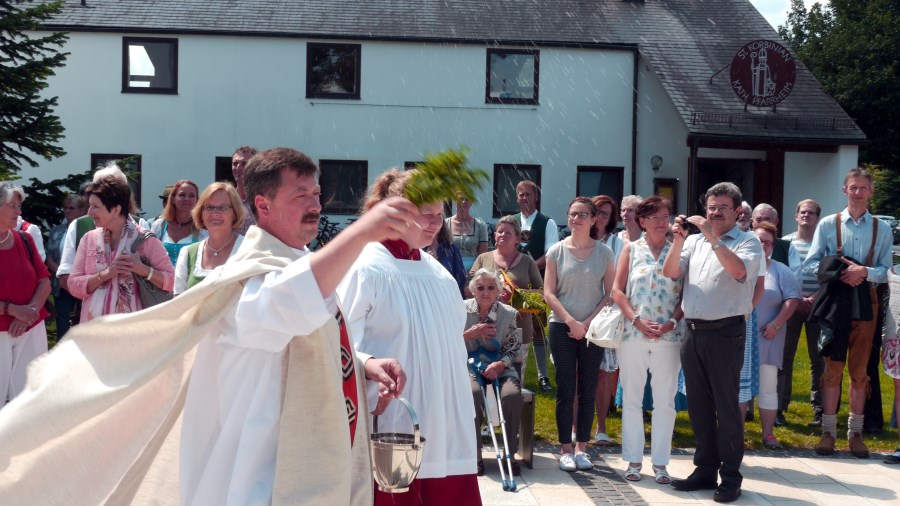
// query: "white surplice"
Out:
[412,311]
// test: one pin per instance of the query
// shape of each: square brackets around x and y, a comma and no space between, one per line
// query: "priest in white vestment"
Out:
[234,393]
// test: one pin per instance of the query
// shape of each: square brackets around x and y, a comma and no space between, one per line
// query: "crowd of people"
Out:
[404,302]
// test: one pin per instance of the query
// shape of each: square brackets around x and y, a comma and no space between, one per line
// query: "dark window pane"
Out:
[594,181]
[130,165]
[506,177]
[333,71]
[343,185]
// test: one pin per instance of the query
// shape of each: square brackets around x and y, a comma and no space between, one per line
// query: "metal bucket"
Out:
[396,457]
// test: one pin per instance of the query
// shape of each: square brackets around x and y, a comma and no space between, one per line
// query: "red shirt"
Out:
[19,277]
[401,250]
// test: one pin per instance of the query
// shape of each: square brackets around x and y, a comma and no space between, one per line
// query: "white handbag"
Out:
[607,328]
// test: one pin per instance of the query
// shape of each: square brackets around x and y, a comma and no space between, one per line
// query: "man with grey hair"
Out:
[782,250]
[722,265]
[84,224]
[743,218]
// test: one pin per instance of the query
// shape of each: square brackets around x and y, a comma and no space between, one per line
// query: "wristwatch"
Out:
[717,245]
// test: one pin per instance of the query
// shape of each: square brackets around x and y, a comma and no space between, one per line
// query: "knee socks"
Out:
[855,424]
[829,425]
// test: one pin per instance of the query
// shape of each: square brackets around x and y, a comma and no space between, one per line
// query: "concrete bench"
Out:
[526,428]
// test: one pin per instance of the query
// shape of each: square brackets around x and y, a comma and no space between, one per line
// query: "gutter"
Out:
[634,116]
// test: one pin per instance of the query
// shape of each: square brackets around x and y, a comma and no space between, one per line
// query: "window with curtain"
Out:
[149,65]
[332,70]
[512,76]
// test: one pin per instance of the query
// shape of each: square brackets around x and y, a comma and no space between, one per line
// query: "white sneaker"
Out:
[583,462]
[567,462]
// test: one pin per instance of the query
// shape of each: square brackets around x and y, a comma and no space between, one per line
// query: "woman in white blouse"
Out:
[219,212]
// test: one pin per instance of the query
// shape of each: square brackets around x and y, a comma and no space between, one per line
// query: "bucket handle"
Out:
[412,415]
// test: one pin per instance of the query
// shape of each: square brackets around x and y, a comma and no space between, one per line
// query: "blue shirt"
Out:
[856,238]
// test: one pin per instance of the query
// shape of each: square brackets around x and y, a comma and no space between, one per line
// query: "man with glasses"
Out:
[723,265]
[854,249]
[539,232]
[74,207]
[808,212]
[781,251]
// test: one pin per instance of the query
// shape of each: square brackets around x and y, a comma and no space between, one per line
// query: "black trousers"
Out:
[873,411]
[712,361]
[577,367]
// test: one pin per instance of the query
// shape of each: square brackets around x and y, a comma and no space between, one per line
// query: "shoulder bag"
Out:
[149,294]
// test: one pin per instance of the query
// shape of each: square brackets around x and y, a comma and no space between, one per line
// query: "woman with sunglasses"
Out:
[651,306]
[220,213]
[577,285]
[491,339]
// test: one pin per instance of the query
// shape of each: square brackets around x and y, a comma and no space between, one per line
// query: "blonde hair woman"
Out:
[220,213]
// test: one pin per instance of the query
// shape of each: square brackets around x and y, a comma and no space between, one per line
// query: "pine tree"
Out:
[28,127]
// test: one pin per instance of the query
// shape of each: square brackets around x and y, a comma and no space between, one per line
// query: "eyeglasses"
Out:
[717,209]
[489,288]
[604,214]
[658,219]
[217,209]
[581,215]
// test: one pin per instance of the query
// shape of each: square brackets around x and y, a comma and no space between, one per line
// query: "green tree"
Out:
[853,49]
[44,203]
[28,127]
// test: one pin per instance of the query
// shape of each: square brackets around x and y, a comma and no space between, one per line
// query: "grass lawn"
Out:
[793,435]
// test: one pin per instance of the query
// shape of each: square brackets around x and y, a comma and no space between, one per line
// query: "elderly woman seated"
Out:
[493,341]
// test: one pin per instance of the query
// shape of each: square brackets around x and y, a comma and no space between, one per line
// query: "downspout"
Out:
[634,131]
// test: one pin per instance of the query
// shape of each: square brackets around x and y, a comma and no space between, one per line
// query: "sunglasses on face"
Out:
[489,288]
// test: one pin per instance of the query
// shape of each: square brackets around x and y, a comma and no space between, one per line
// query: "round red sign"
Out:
[763,73]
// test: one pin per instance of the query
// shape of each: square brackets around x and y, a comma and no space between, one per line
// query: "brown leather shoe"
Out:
[857,447]
[826,445]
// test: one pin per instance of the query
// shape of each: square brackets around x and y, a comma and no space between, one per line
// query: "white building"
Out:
[579,96]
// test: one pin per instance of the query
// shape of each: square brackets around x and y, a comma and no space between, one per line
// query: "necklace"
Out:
[8,235]
[216,251]
[656,251]
[183,224]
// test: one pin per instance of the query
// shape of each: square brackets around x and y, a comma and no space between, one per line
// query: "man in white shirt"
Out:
[722,267]
[807,217]
[539,232]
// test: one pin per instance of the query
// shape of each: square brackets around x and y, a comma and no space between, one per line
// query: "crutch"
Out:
[491,415]
[511,486]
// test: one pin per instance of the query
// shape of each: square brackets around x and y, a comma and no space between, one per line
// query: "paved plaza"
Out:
[786,477]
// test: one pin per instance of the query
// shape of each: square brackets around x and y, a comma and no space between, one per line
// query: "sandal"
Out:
[633,473]
[602,439]
[662,476]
